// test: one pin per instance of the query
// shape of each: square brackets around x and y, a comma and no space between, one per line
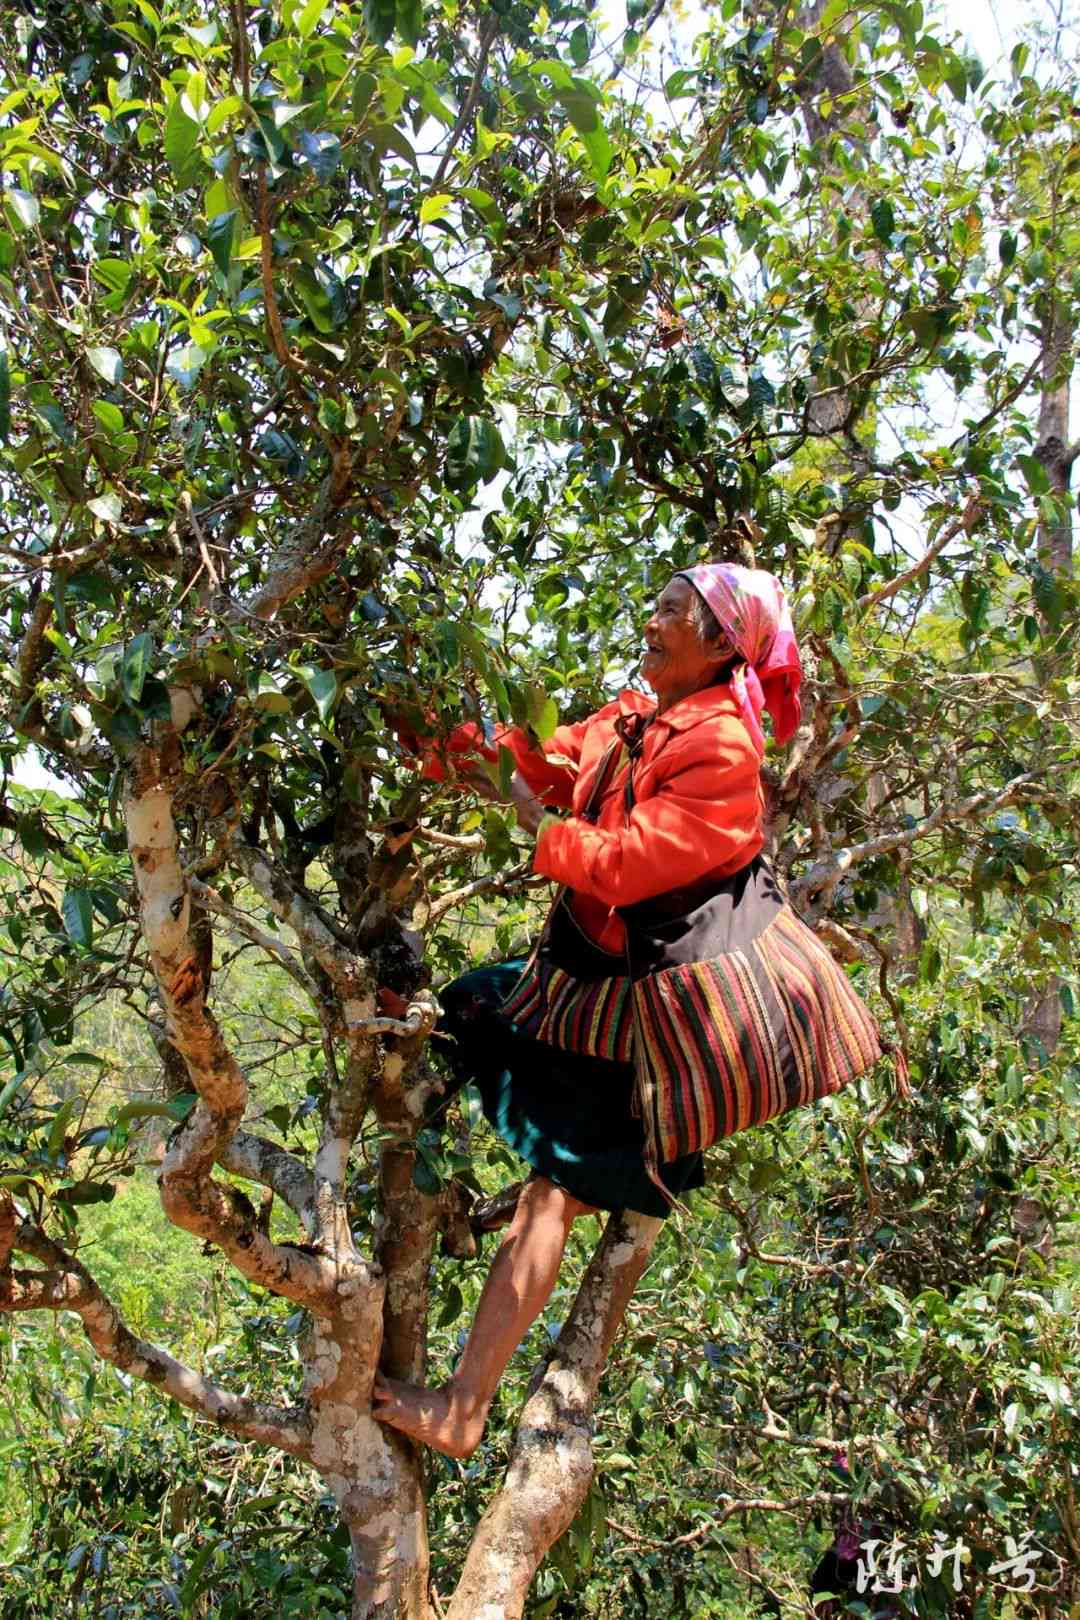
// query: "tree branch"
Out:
[274,947]
[256,1159]
[824,878]
[67,1286]
[500,883]
[349,973]
[551,1465]
[189,1195]
[965,523]
[488,30]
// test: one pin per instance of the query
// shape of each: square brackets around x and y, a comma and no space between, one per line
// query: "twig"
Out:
[824,878]
[747,1504]
[487,885]
[966,523]
[467,841]
[275,947]
[196,527]
[488,29]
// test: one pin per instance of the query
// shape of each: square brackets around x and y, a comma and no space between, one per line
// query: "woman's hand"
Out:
[530,809]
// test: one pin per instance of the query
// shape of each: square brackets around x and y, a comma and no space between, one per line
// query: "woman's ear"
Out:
[721,651]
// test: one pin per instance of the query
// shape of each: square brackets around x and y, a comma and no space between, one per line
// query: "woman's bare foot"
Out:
[444,1419]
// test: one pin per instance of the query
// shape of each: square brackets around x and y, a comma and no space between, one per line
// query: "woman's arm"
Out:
[704,815]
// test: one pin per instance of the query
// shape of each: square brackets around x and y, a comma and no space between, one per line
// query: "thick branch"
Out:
[67,1286]
[258,1160]
[348,973]
[189,1195]
[551,1465]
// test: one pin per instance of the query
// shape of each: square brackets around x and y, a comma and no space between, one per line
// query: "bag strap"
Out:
[609,764]
[606,769]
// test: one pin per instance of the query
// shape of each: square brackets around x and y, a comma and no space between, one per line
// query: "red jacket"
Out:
[697,810]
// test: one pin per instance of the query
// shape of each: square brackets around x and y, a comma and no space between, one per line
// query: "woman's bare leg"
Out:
[518,1287]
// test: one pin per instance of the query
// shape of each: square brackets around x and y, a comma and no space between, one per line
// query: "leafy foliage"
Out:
[368,367]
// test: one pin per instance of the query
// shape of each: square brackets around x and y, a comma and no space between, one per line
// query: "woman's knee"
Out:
[544,1199]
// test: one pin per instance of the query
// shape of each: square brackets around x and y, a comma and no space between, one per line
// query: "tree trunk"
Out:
[551,1465]
[1052,446]
[373,1474]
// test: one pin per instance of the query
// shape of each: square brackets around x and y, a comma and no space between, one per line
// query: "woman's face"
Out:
[677,661]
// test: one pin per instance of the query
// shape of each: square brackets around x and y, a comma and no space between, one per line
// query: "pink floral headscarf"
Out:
[750,607]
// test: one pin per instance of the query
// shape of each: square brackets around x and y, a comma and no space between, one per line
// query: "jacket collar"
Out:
[689,711]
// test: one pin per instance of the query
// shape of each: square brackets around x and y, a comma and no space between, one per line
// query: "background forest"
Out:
[365,367]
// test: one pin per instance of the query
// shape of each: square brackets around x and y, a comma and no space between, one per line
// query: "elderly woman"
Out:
[662,797]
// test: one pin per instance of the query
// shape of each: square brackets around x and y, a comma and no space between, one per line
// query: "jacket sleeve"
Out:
[705,815]
[552,782]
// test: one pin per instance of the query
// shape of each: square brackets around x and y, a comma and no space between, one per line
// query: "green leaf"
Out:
[453,1306]
[542,712]
[185,363]
[268,695]
[9,1092]
[220,235]
[148,1108]
[424,1178]
[580,106]
[78,916]
[474,452]
[58,1128]
[181,142]
[323,686]
[1035,474]
[435,206]
[507,767]
[134,669]
[310,16]
[25,207]
[107,363]
[834,10]
[108,507]
[321,150]
[56,422]
[109,415]
[1007,248]
[114,274]
[17,1183]
[883,220]
[380,19]
[593,332]
[410,20]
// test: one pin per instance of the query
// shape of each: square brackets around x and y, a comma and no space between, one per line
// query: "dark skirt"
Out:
[569,1117]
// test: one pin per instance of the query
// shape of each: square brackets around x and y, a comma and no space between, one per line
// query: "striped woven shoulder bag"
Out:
[740,1013]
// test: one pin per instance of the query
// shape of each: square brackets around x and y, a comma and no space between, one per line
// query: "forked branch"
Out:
[66,1285]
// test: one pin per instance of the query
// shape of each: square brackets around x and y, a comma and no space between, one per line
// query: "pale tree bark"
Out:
[372,1473]
[1052,447]
[1042,1015]
[551,1465]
